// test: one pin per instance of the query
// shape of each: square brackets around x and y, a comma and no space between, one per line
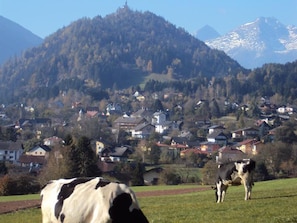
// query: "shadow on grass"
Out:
[272,197]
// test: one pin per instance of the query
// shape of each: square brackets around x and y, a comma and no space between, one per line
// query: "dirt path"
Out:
[7,207]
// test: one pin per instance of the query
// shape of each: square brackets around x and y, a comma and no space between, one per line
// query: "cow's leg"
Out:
[224,191]
[248,190]
[221,190]
[223,195]
[219,194]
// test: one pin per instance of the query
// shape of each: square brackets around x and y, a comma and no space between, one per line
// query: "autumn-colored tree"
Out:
[57,165]
[209,172]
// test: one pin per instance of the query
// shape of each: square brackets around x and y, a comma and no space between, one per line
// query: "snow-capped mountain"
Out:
[266,40]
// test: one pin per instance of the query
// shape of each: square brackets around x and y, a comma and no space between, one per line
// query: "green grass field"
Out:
[272,202]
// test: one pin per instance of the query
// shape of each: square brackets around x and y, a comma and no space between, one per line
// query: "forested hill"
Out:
[119,50]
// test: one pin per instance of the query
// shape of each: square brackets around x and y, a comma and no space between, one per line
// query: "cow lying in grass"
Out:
[89,200]
[235,173]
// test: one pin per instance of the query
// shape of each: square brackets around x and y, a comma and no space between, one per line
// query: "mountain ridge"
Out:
[15,39]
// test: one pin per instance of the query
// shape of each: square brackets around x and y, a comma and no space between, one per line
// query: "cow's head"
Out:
[121,211]
[246,165]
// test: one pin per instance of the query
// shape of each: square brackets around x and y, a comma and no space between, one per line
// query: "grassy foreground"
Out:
[272,201]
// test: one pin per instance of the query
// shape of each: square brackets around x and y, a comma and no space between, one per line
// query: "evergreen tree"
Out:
[83,161]
[215,109]
[137,171]
[157,106]
[155,154]
[3,168]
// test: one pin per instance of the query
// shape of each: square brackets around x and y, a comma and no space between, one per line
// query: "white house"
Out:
[40,150]
[142,130]
[217,137]
[158,118]
[53,141]
[285,109]
[164,127]
[10,151]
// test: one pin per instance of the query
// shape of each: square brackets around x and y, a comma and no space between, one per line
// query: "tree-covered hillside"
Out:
[119,50]
[278,81]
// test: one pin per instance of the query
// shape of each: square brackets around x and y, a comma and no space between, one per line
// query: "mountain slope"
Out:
[265,40]
[14,39]
[119,50]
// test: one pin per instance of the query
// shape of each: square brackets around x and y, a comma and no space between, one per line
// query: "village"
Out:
[175,143]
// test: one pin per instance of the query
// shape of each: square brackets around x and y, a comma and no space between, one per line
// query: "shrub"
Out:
[170,177]
[23,184]
[4,183]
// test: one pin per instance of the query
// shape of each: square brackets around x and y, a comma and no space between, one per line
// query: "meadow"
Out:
[272,201]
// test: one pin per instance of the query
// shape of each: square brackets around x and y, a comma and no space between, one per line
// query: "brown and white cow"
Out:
[89,200]
[235,173]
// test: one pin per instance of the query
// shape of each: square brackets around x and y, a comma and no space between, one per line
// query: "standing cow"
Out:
[89,200]
[235,173]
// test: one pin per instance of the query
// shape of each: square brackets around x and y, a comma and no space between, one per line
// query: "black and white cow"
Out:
[89,200]
[235,173]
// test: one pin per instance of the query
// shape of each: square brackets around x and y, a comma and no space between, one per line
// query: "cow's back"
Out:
[91,200]
[91,204]
[49,198]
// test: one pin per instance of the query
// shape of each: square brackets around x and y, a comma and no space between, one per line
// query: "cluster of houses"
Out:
[140,125]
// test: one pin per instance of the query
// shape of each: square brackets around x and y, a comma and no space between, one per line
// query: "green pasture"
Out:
[272,202]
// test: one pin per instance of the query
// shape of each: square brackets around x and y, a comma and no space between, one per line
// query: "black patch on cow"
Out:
[102,183]
[225,171]
[119,211]
[66,191]
[62,217]
[250,167]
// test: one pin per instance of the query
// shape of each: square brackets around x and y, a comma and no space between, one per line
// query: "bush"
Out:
[23,184]
[209,172]
[170,177]
[4,185]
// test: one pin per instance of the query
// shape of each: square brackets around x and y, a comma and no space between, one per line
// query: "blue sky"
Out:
[44,17]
